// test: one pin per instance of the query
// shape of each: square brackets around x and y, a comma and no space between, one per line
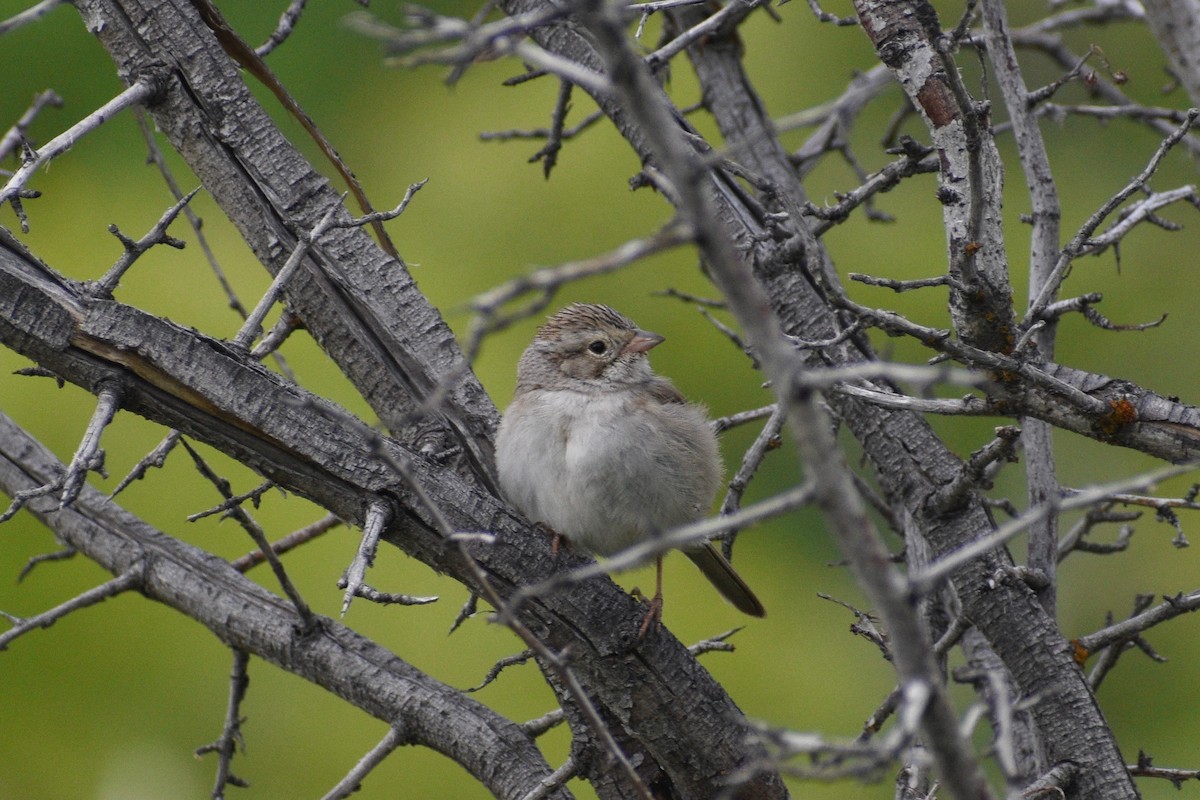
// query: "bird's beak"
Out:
[643,341]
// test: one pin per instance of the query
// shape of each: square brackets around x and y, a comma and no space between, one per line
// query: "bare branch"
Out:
[1079,242]
[230,740]
[155,458]
[289,542]
[651,548]
[720,642]
[1145,768]
[1139,212]
[354,778]
[556,779]
[252,327]
[16,134]
[767,440]
[31,14]
[501,665]
[127,580]
[722,424]
[287,23]
[254,496]
[927,578]
[243,518]
[56,555]
[88,457]
[133,250]
[377,516]
[1143,620]
[137,94]
[548,281]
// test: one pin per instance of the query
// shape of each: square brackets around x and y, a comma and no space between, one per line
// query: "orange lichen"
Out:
[1123,412]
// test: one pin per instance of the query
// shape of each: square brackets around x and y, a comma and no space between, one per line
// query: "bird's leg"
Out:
[556,539]
[654,613]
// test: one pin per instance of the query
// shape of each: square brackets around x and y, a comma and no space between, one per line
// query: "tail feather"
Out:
[723,576]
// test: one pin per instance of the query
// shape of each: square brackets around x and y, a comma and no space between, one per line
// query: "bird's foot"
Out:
[653,613]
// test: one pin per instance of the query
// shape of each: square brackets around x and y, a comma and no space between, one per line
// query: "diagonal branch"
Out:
[247,617]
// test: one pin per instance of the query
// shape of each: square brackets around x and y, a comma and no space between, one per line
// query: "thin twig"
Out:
[722,424]
[107,284]
[1079,242]
[88,457]
[254,496]
[123,582]
[1143,620]
[354,778]
[140,92]
[651,548]
[252,327]
[554,780]
[251,527]
[926,579]
[766,441]
[31,14]
[287,543]
[155,458]
[230,740]
[43,558]
[283,29]
[378,515]
[546,282]
[501,665]
[16,134]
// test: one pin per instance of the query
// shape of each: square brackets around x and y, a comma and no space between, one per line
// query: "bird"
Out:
[605,453]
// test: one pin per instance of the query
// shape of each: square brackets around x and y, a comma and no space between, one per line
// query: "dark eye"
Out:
[598,347]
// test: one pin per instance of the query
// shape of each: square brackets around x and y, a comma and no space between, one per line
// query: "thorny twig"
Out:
[123,582]
[378,515]
[926,579]
[254,496]
[155,458]
[107,284]
[16,134]
[501,665]
[766,441]
[374,757]
[12,192]
[1081,241]
[88,457]
[230,740]
[289,542]
[287,23]
[648,549]
[255,531]
[546,282]
[164,169]
[1143,618]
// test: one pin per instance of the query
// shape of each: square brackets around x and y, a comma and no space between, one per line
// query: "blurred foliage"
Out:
[110,702]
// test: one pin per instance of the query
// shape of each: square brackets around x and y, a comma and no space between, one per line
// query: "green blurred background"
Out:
[110,703]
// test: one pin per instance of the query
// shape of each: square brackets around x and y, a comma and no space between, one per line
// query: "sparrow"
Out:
[604,452]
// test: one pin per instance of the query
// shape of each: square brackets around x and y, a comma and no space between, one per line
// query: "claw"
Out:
[654,613]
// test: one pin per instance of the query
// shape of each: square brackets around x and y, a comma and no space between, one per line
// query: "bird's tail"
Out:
[723,576]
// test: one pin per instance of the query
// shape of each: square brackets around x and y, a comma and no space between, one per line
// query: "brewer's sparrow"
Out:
[606,453]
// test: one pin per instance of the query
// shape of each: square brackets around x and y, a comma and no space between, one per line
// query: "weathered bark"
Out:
[367,313]
[243,615]
[360,305]
[215,394]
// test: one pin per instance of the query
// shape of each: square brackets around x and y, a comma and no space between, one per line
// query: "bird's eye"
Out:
[598,347]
